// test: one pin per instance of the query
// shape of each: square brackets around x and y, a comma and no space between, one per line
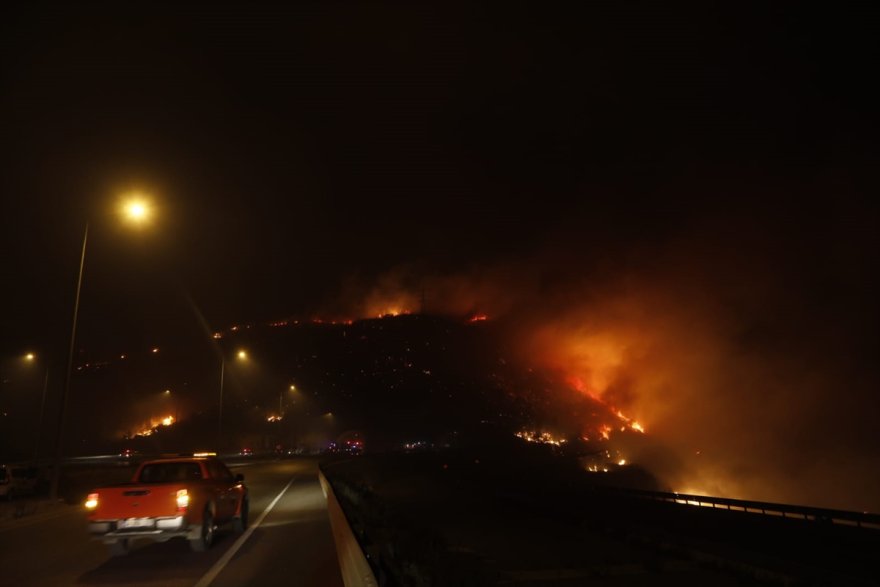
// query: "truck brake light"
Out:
[182,499]
[92,501]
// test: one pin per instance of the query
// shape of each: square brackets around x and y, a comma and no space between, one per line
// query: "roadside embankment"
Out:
[475,518]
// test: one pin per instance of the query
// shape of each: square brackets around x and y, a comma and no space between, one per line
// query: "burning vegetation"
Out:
[154,425]
[698,364]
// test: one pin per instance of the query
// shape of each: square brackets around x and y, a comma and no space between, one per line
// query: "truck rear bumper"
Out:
[156,528]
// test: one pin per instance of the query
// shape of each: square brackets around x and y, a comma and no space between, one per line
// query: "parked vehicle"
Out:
[189,497]
[18,480]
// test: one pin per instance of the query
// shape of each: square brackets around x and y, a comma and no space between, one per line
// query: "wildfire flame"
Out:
[154,425]
[393,311]
[542,437]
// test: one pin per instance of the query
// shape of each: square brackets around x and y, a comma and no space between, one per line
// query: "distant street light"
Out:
[136,210]
[241,355]
[281,400]
[30,358]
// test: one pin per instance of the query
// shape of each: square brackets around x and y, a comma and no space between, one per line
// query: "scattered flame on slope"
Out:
[603,461]
[605,429]
[392,312]
[389,301]
[478,318]
[542,437]
[334,322]
[155,424]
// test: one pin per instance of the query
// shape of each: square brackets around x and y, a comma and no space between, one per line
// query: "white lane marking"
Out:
[224,560]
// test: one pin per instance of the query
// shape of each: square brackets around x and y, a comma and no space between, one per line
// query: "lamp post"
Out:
[136,211]
[30,358]
[281,399]
[65,390]
[241,355]
[220,411]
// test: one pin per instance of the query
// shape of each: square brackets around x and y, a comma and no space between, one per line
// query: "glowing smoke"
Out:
[745,382]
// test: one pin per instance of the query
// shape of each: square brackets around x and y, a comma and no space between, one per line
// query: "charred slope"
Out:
[411,377]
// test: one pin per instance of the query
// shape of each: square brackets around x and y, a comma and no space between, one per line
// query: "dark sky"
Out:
[289,148]
[295,150]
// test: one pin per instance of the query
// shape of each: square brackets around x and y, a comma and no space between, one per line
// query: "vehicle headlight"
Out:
[182,499]
[92,501]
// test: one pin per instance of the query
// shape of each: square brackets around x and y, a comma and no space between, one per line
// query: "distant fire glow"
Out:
[154,425]
[391,312]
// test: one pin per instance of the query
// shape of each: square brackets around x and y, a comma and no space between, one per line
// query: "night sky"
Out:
[518,159]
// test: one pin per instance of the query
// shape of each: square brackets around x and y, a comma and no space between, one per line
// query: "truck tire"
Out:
[240,522]
[120,547]
[206,536]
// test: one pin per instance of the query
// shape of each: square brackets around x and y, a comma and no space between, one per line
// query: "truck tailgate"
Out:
[137,501]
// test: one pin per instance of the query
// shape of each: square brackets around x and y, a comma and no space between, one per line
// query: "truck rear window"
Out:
[170,472]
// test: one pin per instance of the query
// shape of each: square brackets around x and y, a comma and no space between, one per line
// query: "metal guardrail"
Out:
[812,514]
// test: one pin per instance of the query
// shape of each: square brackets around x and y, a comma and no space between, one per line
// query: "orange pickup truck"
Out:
[186,497]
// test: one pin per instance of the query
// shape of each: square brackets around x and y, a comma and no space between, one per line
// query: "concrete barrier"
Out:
[356,571]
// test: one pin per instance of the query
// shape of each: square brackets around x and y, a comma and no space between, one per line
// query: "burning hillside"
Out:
[730,377]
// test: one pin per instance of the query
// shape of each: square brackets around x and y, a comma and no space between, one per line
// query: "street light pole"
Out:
[42,410]
[220,417]
[65,391]
[241,356]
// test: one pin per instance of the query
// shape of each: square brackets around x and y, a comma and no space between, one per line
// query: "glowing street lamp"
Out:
[136,210]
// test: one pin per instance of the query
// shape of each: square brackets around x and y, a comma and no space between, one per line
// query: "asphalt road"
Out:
[292,543]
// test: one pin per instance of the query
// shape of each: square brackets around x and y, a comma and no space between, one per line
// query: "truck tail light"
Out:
[182,499]
[92,501]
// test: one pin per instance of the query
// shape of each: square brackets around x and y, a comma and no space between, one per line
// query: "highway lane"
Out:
[292,541]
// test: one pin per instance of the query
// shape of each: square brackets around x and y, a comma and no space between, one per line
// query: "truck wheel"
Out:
[240,522]
[206,538]
[120,547]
